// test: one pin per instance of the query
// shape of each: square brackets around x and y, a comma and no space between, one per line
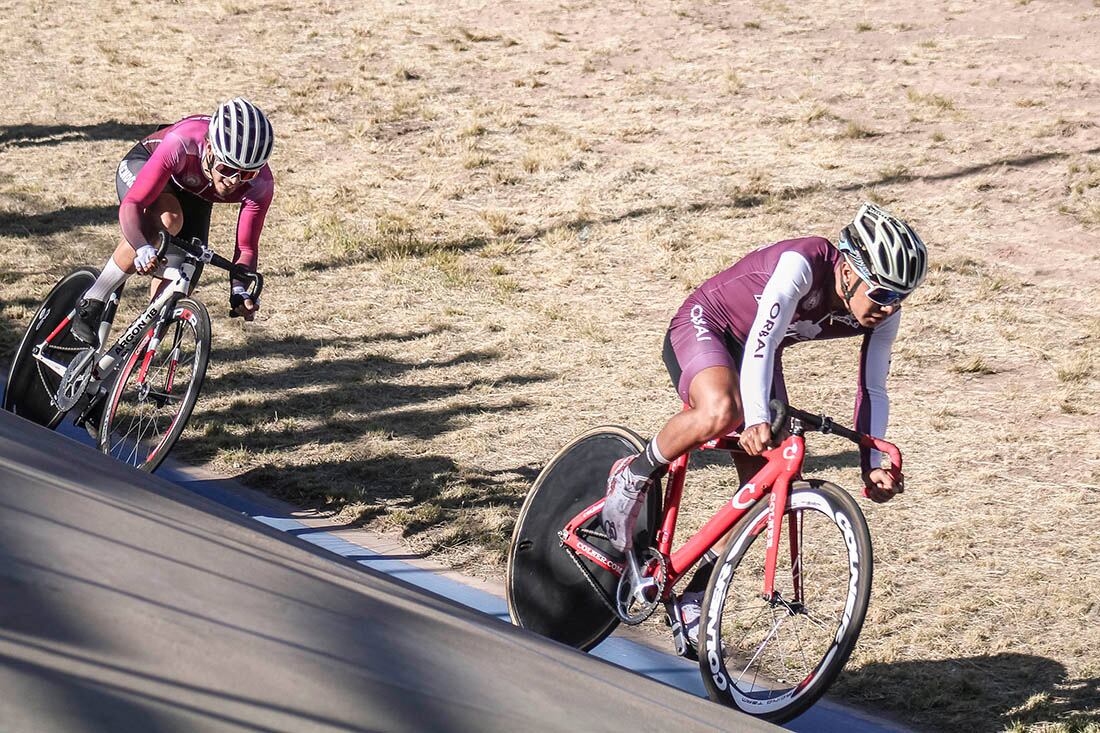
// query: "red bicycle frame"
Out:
[784,465]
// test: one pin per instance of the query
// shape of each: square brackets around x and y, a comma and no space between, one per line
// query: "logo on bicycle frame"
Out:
[137,330]
[743,498]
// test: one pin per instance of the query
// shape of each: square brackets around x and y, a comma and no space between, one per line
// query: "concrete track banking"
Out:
[132,604]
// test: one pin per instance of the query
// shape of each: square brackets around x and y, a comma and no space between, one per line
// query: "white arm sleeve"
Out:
[789,283]
[875,367]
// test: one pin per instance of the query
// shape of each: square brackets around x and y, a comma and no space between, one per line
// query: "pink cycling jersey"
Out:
[176,154]
[774,297]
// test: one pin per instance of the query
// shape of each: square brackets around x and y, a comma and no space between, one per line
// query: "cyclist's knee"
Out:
[172,221]
[717,415]
[168,213]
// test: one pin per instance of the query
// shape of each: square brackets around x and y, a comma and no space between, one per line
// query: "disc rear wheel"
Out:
[551,590]
[32,386]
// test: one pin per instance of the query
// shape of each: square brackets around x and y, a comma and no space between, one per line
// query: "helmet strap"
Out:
[207,162]
[848,292]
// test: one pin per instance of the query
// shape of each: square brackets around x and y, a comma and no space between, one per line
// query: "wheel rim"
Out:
[147,407]
[769,652]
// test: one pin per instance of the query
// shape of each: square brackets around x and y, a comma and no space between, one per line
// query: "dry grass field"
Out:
[486,213]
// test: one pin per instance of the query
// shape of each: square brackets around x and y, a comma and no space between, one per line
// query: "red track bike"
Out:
[780,617]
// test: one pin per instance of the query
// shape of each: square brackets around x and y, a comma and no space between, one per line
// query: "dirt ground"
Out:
[486,213]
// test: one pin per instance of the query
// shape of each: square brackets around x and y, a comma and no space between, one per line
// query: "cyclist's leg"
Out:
[710,389]
[714,409]
[703,365]
[191,219]
[164,210]
[709,386]
[165,213]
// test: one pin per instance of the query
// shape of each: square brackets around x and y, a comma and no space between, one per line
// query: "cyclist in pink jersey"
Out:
[724,352]
[170,180]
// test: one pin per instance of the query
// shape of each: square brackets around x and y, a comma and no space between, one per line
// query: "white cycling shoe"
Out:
[691,610]
[625,495]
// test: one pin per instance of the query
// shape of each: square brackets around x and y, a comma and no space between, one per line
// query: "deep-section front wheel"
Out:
[32,384]
[152,398]
[548,590]
[774,656]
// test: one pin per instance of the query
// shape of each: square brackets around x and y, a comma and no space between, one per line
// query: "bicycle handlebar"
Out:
[824,424]
[197,250]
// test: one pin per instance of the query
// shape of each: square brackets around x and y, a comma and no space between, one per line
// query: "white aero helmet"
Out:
[240,135]
[884,250]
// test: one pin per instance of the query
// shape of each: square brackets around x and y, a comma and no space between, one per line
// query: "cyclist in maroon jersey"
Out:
[170,180]
[724,351]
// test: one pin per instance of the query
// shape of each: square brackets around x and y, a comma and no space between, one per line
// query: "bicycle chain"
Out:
[608,602]
[600,592]
[52,393]
[45,386]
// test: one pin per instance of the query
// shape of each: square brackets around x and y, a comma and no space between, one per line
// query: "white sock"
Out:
[111,277]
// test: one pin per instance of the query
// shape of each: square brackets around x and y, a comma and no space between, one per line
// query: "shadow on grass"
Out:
[52,222]
[324,404]
[23,136]
[11,331]
[751,198]
[988,693]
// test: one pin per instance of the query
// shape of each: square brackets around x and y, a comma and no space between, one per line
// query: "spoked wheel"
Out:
[32,386]
[151,401]
[773,657]
[548,590]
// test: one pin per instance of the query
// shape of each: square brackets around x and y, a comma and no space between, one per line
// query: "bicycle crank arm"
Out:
[641,587]
[53,366]
[679,639]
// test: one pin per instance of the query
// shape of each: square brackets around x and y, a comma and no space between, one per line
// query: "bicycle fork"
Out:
[777,509]
[156,334]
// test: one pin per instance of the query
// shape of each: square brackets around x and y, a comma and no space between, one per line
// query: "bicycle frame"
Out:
[178,286]
[784,465]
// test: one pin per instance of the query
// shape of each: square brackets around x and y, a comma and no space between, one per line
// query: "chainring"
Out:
[74,382]
[630,610]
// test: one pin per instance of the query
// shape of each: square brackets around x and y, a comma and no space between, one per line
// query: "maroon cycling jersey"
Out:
[774,297]
[176,153]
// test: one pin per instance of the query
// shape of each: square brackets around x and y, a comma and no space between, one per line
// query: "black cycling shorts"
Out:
[196,211]
[676,371]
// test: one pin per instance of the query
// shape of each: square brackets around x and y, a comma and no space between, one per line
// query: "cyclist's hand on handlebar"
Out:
[881,485]
[756,438]
[243,305]
[145,260]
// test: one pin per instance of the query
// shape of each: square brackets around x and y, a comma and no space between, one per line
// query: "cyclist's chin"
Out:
[223,189]
[868,318]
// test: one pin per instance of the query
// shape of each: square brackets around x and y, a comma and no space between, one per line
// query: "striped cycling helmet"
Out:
[884,250]
[240,135]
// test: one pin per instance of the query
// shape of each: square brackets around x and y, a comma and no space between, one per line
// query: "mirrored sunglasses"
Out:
[228,171]
[885,296]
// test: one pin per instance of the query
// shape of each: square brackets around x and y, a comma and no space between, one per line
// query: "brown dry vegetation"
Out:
[486,214]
